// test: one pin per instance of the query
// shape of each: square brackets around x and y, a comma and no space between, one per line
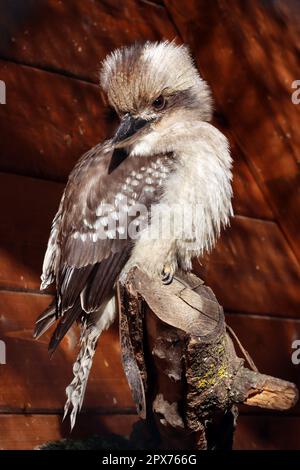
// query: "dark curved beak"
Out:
[128,127]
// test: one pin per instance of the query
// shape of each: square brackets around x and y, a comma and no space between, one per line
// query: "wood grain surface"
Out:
[255,50]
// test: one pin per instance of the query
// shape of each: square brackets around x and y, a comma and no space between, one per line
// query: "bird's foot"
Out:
[167,275]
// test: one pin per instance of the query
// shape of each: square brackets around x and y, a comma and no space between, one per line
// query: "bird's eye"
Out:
[159,103]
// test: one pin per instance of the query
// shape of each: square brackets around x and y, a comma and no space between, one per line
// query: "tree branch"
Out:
[181,364]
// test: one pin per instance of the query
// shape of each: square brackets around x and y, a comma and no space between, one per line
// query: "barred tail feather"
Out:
[90,332]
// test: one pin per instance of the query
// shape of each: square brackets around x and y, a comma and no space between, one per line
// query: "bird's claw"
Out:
[166,275]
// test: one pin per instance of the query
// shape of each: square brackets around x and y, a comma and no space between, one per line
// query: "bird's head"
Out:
[154,88]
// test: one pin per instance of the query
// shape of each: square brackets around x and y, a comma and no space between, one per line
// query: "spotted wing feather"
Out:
[89,245]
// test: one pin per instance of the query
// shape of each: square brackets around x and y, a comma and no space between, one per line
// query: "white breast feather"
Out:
[201,185]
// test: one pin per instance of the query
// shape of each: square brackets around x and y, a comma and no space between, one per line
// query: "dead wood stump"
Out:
[185,376]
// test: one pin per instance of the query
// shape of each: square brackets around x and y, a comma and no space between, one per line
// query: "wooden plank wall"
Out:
[49,55]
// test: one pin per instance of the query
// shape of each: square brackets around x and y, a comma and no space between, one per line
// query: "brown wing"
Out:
[89,243]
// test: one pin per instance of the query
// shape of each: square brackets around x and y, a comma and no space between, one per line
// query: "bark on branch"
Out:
[182,367]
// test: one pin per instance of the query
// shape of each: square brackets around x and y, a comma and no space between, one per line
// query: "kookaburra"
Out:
[165,156]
